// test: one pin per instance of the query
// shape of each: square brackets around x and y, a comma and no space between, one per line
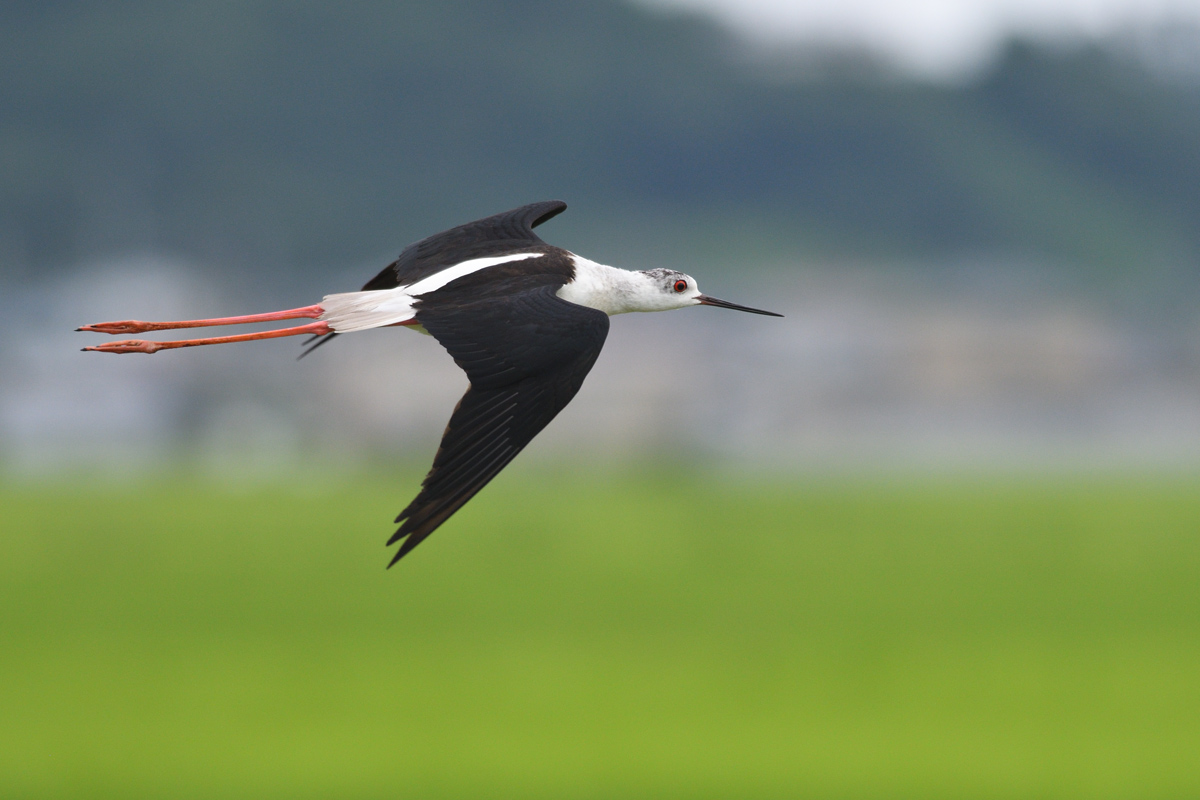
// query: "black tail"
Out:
[314,343]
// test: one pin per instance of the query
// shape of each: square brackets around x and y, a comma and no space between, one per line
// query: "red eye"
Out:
[680,286]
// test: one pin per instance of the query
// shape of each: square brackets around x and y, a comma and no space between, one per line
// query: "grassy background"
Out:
[664,635]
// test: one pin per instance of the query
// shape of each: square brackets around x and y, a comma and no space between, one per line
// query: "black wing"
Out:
[526,355]
[490,236]
[494,235]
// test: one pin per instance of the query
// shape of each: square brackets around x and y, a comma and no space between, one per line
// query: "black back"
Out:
[507,232]
[491,236]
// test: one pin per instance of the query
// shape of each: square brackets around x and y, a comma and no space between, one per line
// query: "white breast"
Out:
[604,288]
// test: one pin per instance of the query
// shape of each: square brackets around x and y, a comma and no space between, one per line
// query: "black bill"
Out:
[705,300]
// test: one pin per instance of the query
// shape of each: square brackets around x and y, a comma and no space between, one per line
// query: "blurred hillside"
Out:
[999,271]
[299,135]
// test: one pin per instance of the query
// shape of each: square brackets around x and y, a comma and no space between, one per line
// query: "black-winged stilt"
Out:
[525,320]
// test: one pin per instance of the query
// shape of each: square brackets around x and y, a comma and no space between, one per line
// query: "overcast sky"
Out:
[939,38]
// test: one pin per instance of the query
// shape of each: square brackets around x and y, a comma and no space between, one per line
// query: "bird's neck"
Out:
[608,289]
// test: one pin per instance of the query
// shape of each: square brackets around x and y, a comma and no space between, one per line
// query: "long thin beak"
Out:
[705,300]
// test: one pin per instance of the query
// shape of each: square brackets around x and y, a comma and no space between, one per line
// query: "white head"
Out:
[619,291]
[667,289]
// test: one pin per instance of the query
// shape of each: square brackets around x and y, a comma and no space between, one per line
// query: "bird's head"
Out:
[671,289]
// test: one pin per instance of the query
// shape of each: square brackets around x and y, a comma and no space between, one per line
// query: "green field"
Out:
[659,635]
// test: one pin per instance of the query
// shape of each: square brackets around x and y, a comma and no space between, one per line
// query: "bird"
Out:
[525,321]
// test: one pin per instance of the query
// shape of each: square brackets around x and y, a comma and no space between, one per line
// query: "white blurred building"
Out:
[869,369]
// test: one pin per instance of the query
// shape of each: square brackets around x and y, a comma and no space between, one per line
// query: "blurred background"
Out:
[932,534]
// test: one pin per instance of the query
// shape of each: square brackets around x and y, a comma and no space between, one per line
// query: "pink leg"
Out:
[134,326]
[142,346]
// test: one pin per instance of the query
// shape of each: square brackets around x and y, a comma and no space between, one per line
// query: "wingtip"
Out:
[398,536]
[407,540]
[399,554]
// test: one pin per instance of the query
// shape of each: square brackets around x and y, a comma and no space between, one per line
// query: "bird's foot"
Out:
[127,346]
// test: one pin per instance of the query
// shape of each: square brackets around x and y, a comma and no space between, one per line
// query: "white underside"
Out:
[360,311]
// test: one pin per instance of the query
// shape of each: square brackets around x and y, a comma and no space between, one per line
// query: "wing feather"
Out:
[526,355]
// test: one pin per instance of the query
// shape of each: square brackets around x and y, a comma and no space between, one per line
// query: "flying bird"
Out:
[524,320]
